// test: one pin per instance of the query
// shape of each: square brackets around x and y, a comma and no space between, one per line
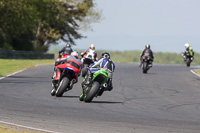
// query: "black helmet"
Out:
[147,46]
[105,55]
[68,46]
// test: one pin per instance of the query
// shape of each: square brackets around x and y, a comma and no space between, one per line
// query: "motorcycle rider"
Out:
[149,52]
[65,50]
[188,49]
[103,62]
[90,51]
[68,61]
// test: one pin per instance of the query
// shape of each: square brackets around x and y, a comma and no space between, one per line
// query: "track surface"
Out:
[166,100]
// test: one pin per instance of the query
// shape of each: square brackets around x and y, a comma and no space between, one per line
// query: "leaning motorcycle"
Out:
[65,83]
[146,63]
[86,63]
[96,87]
[188,58]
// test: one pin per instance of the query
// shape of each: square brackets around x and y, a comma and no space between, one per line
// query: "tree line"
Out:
[33,25]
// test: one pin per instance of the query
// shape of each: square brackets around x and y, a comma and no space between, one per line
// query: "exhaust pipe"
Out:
[105,85]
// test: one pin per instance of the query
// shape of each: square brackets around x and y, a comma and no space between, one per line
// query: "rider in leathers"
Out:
[148,51]
[70,61]
[103,62]
[188,49]
[91,51]
[65,50]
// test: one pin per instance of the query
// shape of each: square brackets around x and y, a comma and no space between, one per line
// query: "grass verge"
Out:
[6,130]
[197,71]
[9,66]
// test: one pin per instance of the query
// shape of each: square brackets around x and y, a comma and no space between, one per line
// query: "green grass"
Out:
[6,130]
[197,71]
[9,66]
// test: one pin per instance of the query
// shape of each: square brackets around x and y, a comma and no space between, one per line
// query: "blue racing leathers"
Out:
[103,63]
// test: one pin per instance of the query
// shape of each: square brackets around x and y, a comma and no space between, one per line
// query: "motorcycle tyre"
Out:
[93,91]
[188,62]
[62,87]
[145,67]
[84,70]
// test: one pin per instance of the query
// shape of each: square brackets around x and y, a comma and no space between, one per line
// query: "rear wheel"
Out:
[93,91]
[84,70]
[62,87]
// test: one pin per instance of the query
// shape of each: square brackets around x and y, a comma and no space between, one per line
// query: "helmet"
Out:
[92,46]
[74,53]
[147,46]
[105,55]
[68,46]
[187,45]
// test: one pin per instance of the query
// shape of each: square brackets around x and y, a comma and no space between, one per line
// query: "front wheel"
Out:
[93,91]
[62,87]
[188,62]
[145,67]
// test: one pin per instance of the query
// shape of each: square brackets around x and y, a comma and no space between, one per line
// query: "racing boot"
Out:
[55,80]
[57,75]
[55,83]
[82,95]
[53,92]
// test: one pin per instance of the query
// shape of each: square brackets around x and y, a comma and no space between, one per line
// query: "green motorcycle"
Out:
[96,86]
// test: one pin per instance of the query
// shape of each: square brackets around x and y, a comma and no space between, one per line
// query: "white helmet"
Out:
[147,46]
[187,45]
[92,47]
[74,53]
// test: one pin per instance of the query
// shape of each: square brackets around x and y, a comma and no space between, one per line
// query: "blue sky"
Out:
[131,24]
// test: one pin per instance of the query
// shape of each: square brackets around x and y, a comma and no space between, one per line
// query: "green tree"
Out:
[35,24]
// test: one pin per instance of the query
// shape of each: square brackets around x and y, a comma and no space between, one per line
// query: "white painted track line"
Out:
[10,74]
[195,73]
[26,127]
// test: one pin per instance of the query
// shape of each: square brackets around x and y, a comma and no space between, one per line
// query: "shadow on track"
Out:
[70,97]
[107,102]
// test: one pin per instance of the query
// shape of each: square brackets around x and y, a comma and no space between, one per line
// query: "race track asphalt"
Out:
[165,100]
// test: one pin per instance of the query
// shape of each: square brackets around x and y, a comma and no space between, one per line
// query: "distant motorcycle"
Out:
[65,83]
[188,58]
[96,87]
[146,65]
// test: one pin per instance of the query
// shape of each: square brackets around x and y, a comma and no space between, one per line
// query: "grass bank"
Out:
[9,66]
[6,130]
[197,71]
